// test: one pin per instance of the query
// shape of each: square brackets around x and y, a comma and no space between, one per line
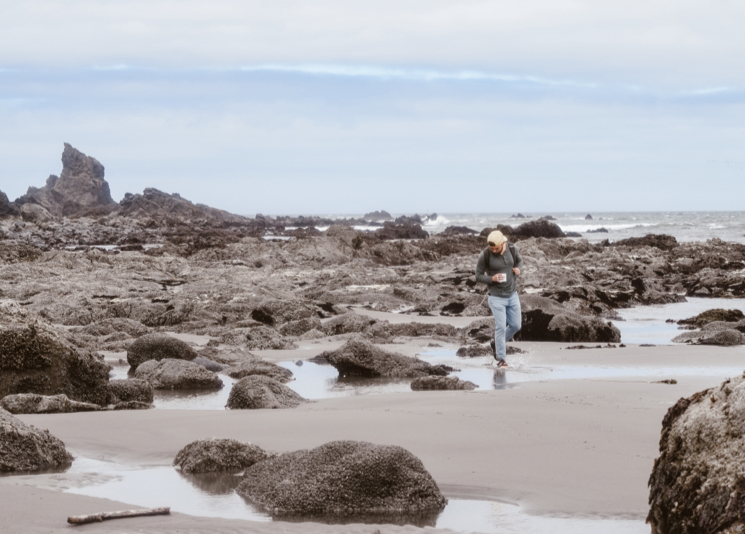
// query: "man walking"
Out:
[498,267]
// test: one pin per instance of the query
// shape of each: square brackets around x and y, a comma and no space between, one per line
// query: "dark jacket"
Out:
[499,263]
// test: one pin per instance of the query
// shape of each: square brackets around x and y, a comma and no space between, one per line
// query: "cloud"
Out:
[664,43]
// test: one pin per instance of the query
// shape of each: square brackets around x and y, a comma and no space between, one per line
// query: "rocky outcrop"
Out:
[716,314]
[401,231]
[7,209]
[660,241]
[79,190]
[26,448]
[258,366]
[474,351]
[544,319]
[130,389]
[177,374]
[716,333]
[34,213]
[341,478]
[257,338]
[538,228]
[23,403]
[162,209]
[697,484]
[257,392]
[381,215]
[425,383]
[361,358]
[158,347]
[217,455]
[35,358]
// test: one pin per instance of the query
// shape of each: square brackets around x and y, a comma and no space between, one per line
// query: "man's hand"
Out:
[516,271]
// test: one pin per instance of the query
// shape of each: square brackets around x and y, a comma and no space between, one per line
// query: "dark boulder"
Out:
[425,383]
[457,230]
[342,478]
[538,228]
[258,366]
[381,215]
[130,389]
[696,485]
[401,231]
[544,319]
[24,403]
[602,230]
[361,358]
[716,314]
[216,455]
[660,241]
[26,448]
[80,189]
[158,347]
[257,392]
[34,358]
[177,374]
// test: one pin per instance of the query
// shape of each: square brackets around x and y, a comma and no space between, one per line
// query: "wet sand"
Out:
[581,447]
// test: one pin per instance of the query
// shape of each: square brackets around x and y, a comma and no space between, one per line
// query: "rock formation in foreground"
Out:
[35,358]
[358,357]
[217,455]
[79,190]
[33,403]
[697,485]
[158,347]
[257,392]
[26,448]
[342,478]
[177,374]
[546,320]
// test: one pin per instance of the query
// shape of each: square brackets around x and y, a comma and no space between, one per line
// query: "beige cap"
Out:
[496,237]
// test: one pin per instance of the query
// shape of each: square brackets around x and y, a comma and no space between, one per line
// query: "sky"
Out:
[410,106]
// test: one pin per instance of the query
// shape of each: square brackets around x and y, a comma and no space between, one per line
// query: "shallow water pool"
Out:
[646,324]
[213,495]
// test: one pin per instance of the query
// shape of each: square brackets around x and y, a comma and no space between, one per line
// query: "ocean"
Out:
[685,226]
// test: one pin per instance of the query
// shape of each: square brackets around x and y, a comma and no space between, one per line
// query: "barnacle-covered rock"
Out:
[158,347]
[26,448]
[216,455]
[130,389]
[255,392]
[258,366]
[697,484]
[358,357]
[36,358]
[342,478]
[177,374]
[33,403]
[441,383]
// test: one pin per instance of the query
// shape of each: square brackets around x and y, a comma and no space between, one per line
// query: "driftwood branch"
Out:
[103,516]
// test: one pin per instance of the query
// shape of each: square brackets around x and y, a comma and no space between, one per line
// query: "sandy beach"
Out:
[579,447]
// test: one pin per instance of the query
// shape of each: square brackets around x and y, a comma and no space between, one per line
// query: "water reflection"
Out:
[213,483]
[206,495]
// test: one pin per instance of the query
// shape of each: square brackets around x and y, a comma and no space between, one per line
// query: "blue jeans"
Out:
[507,320]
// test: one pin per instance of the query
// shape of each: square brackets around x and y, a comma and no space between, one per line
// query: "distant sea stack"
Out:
[79,190]
[378,216]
